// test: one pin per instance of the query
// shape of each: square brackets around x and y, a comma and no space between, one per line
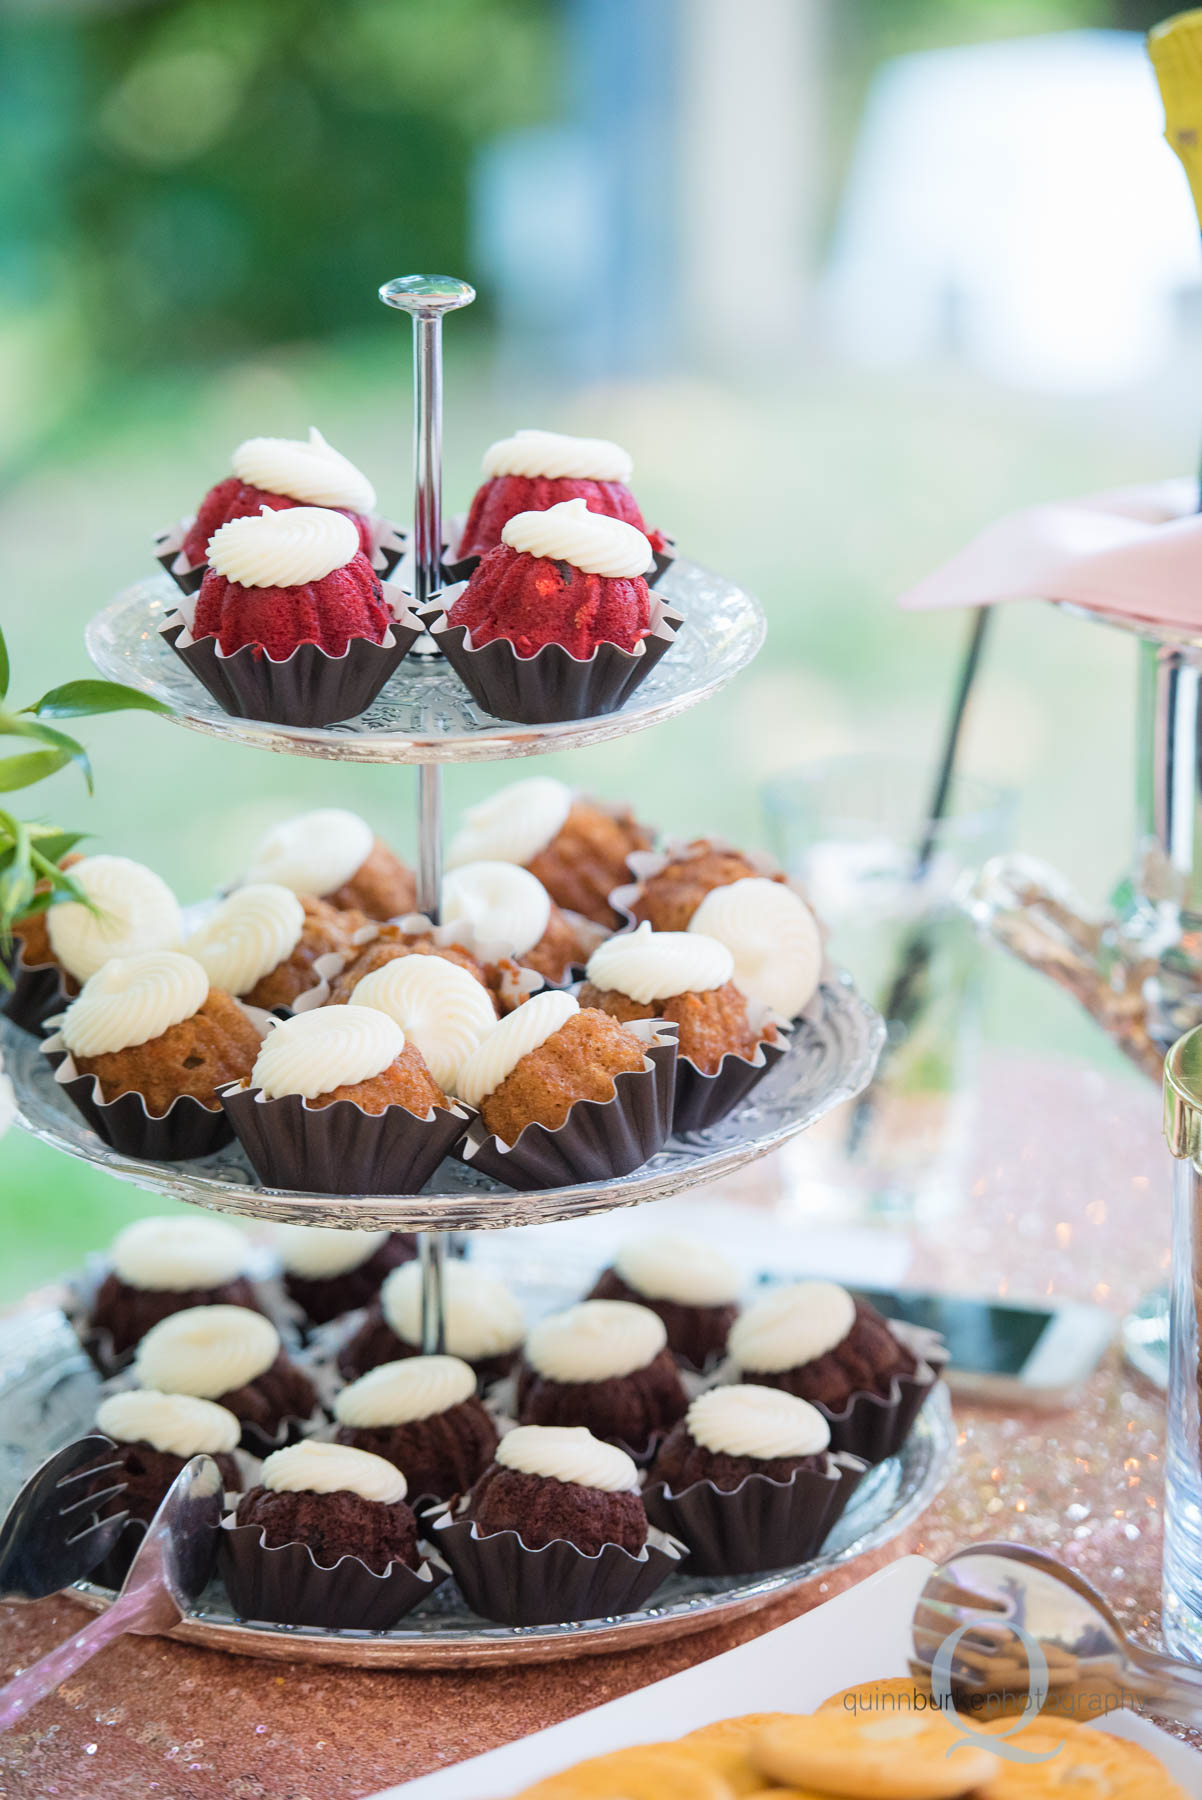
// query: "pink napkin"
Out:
[1135,551]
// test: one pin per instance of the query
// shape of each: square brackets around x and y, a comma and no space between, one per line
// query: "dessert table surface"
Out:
[1067,1196]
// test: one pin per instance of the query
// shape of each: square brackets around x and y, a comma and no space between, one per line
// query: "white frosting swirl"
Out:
[314,853]
[174,1254]
[772,936]
[482,1317]
[283,549]
[513,824]
[398,1392]
[177,1424]
[598,1340]
[756,1421]
[504,904]
[790,1326]
[685,1270]
[440,1007]
[651,965]
[554,457]
[316,1467]
[334,1046]
[133,1000]
[135,910]
[571,533]
[539,1018]
[304,470]
[316,1253]
[568,1453]
[206,1350]
[250,934]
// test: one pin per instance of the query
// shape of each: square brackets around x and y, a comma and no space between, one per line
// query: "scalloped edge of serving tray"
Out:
[855,1029]
[685,586]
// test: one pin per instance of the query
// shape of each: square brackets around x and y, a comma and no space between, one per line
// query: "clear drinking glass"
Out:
[1182,1596]
[851,829]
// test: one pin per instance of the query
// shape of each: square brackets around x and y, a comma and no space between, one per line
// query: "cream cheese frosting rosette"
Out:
[604,1364]
[143,1050]
[553,1530]
[687,1281]
[747,1480]
[335,856]
[158,1266]
[326,1538]
[177,1424]
[128,908]
[499,909]
[283,549]
[327,1272]
[484,1322]
[726,1046]
[339,1102]
[422,1414]
[866,1375]
[304,469]
[248,936]
[567,1094]
[557,457]
[232,1356]
[773,939]
[557,621]
[441,1008]
[576,846]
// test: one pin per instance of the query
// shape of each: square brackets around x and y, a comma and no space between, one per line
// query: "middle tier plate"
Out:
[833,1054]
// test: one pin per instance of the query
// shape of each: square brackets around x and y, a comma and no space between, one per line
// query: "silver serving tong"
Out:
[172,1565]
[50,1535]
[1006,1599]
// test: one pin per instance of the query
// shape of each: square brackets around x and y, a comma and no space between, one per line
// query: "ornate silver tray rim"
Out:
[833,1058]
[425,714]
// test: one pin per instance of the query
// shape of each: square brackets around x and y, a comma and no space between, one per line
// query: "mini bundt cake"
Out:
[161,1266]
[565,576]
[345,1053]
[815,1340]
[604,1364]
[329,1272]
[422,1414]
[335,855]
[689,1284]
[773,938]
[283,579]
[535,470]
[484,1323]
[677,975]
[390,945]
[128,908]
[668,899]
[282,473]
[550,1483]
[230,1355]
[541,1060]
[511,913]
[338,1501]
[576,848]
[155,1435]
[442,1009]
[733,1431]
[263,940]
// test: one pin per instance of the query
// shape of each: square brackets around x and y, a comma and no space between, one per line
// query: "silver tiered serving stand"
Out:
[426,717]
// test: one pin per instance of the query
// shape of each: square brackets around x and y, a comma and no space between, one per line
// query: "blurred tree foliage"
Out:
[186,179]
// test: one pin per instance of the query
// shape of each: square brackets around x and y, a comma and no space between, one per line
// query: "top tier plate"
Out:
[425,714]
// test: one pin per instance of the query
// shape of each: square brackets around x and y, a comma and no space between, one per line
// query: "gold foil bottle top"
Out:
[1175,48]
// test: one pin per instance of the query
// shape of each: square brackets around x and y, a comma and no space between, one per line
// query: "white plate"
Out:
[863,1635]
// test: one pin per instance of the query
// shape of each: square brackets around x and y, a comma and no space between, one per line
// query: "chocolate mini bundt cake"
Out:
[814,1340]
[423,1415]
[550,1483]
[168,1265]
[337,1501]
[604,1364]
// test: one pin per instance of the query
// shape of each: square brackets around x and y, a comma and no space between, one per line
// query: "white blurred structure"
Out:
[1016,202]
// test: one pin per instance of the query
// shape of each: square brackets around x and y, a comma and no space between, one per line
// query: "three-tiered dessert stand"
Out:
[426,717]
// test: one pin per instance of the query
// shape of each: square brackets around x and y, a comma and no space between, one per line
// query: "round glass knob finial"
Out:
[427,294]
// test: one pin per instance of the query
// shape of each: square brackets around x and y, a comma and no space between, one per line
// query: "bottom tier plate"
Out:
[48,1395]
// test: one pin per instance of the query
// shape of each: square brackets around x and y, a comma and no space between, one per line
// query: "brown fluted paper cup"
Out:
[703,1100]
[339,1148]
[38,992]
[285,1585]
[186,1131]
[761,1524]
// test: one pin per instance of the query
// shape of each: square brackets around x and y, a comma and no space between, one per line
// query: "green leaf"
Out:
[4,667]
[23,771]
[53,843]
[73,751]
[16,879]
[86,699]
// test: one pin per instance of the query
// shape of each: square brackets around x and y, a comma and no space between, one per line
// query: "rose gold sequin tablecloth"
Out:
[1078,1209]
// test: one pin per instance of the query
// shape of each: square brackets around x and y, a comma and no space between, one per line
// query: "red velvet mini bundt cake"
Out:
[234,499]
[347,603]
[537,600]
[280,473]
[535,470]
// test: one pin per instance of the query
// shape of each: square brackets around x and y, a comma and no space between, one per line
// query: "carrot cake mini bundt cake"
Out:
[283,579]
[338,1501]
[541,1060]
[262,941]
[575,847]
[566,576]
[815,1340]
[423,1415]
[232,1356]
[677,975]
[167,1265]
[328,1273]
[735,1431]
[484,1322]
[128,908]
[511,913]
[772,936]
[391,943]
[692,1287]
[345,1053]
[152,1025]
[442,1009]
[554,1482]
[336,856]
[668,899]
[534,470]
[605,1364]
[155,1435]
[280,474]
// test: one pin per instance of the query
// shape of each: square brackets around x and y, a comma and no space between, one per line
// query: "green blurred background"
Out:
[198,202]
